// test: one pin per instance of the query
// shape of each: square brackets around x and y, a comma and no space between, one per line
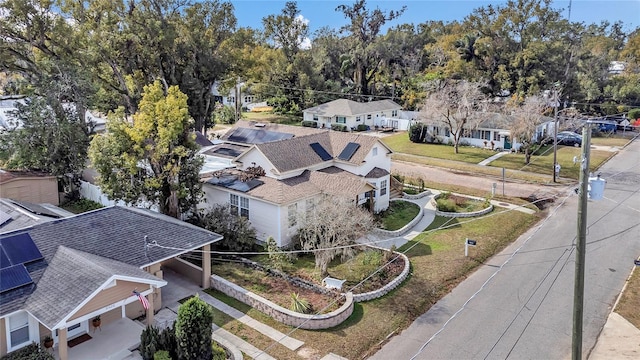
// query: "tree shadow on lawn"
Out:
[415,248]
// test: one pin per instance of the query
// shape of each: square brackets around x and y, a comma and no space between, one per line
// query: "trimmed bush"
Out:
[339,127]
[193,330]
[218,351]
[361,127]
[446,205]
[149,342]
[309,123]
[162,355]
[29,352]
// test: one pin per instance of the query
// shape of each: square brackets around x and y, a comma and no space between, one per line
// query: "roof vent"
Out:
[260,125]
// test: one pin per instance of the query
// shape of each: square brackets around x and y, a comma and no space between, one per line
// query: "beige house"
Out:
[32,187]
[58,276]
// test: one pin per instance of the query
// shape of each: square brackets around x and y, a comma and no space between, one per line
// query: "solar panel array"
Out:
[13,277]
[232,182]
[256,136]
[228,152]
[348,151]
[324,155]
[36,209]
[15,251]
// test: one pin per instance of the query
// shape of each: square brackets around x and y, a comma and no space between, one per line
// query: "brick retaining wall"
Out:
[388,287]
[403,230]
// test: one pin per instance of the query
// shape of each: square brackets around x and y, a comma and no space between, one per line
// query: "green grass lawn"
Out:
[399,214]
[629,302]
[438,265]
[401,143]
[610,140]
[543,163]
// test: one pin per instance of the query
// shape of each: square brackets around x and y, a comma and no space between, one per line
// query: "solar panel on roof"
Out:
[14,277]
[20,249]
[232,182]
[36,209]
[4,260]
[324,155]
[228,152]
[348,151]
[4,217]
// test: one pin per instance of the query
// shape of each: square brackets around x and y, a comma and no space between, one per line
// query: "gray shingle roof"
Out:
[71,277]
[376,172]
[297,153]
[344,107]
[116,233]
[288,129]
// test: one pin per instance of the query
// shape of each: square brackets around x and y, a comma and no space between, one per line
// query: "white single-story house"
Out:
[58,275]
[492,132]
[300,165]
[381,113]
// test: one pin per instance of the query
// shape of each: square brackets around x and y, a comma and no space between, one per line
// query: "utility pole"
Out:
[556,103]
[581,243]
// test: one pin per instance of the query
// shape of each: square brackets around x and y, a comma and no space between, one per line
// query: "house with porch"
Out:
[59,275]
[491,132]
[296,166]
[381,113]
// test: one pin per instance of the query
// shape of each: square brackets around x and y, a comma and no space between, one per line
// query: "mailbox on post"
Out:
[468,242]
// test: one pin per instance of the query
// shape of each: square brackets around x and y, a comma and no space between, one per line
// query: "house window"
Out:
[19,330]
[310,205]
[341,119]
[369,117]
[231,99]
[383,187]
[496,136]
[358,118]
[375,151]
[394,113]
[315,117]
[239,205]
[248,99]
[293,214]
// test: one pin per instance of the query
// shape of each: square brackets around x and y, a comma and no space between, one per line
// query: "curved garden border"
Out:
[460,215]
[403,230]
[416,196]
[285,316]
[389,286]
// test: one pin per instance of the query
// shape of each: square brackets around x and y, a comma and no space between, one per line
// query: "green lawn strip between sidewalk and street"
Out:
[630,300]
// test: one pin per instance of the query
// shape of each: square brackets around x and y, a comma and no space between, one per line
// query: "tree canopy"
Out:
[152,158]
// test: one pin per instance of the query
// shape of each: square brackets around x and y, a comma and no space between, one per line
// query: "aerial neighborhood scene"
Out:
[319,180]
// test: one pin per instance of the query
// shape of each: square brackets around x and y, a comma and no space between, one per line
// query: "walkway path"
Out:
[498,155]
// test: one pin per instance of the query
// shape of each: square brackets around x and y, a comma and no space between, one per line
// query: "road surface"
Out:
[519,305]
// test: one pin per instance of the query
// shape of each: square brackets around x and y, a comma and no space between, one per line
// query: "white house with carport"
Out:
[298,171]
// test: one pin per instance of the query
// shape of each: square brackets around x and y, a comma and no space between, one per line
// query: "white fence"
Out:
[94,193]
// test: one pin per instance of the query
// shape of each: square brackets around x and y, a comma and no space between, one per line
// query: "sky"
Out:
[320,13]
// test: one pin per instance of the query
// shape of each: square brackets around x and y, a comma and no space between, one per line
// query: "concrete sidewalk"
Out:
[488,160]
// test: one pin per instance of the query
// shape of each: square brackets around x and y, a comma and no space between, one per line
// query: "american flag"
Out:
[143,300]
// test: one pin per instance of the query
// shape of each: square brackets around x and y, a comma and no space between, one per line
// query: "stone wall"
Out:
[403,230]
[388,287]
[285,316]
[416,196]
[460,215]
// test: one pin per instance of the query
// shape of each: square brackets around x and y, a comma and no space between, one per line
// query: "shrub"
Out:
[309,123]
[30,352]
[149,342]
[417,133]
[193,330]
[299,304]
[161,355]
[446,205]
[634,114]
[277,259]
[361,127]
[339,127]
[218,351]
[372,257]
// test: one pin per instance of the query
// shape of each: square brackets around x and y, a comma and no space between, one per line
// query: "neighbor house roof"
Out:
[344,107]
[269,127]
[71,278]
[297,153]
[117,233]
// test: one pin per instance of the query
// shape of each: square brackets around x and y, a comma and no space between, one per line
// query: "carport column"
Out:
[62,344]
[206,266]
[151,308]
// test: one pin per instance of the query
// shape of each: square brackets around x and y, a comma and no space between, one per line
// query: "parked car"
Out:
[569,138]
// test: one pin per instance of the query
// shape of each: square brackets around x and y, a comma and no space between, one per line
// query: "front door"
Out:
[507,143]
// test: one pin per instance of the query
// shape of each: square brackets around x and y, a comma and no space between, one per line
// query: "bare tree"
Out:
[526,117]
[334,222]
[456,105]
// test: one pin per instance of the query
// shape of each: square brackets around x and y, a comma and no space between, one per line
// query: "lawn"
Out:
[401,143]
[630,301]
[399,214]
[610,141]
[438,265]
[542,163]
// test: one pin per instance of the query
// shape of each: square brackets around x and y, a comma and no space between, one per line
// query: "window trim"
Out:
[239,205]
[30,326]
[341,119]
[383,187]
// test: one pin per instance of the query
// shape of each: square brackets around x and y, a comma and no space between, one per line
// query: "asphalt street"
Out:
[519,305]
